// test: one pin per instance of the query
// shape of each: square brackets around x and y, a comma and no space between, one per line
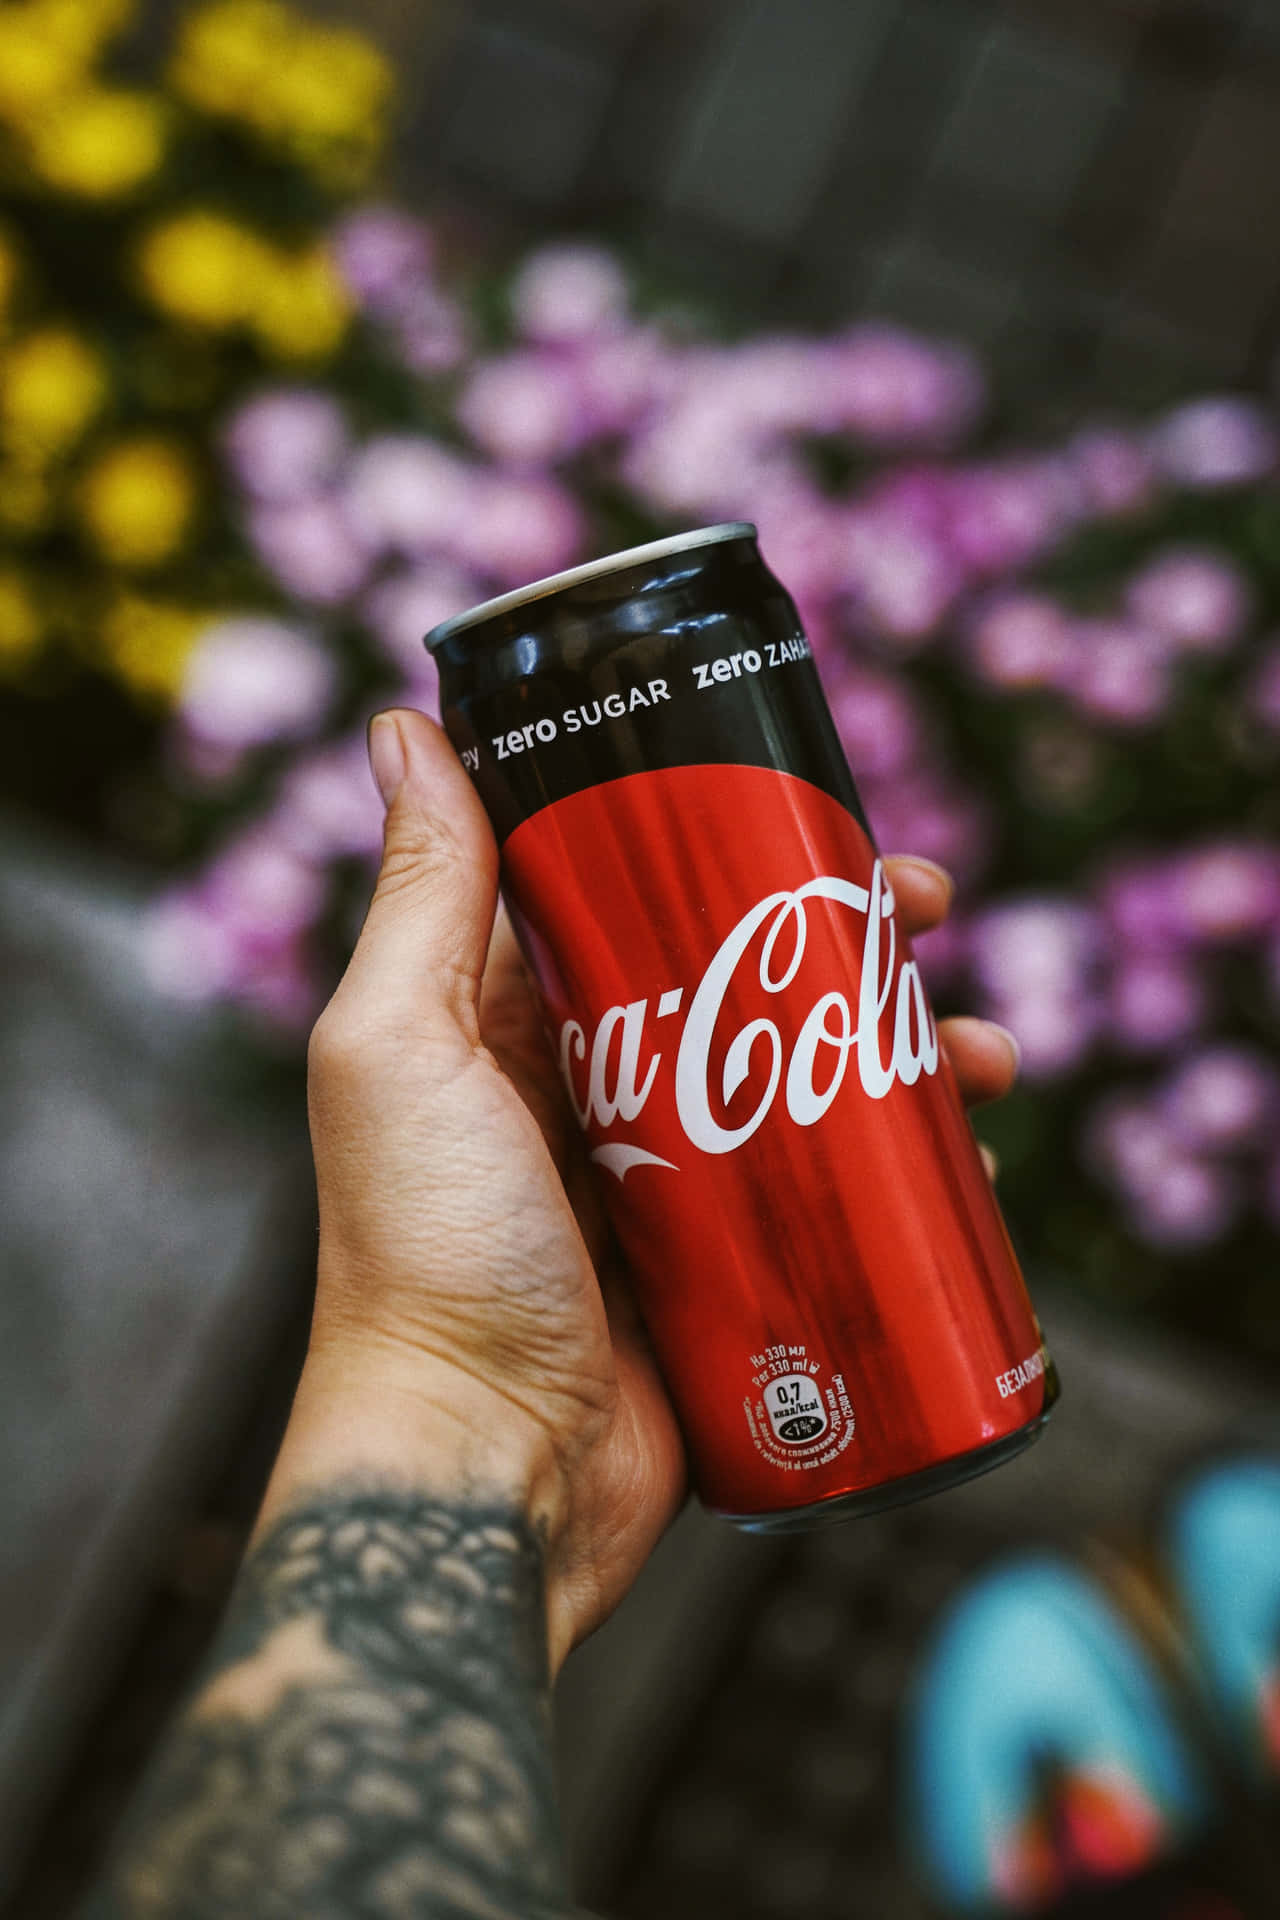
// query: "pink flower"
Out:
[689,465]
[899,578]
[568,294]
[799,537]
[286,444]
[1021,640]
[1119,672]
[622,377]
[311,548]
[327,807]
[260,887]
[403,609]
[253,680]
[1222,441]
[919,496]
[878,722]
[1189,1205]
[520,529]
[523,409]
[1172,1199]
[920,814]
[1129,1143]
[722,439]
[1116,471]
[777,385]
[1229,891]
[1054,1031]
[826,636]
[718,443]
[187,952]
[236,933]
[1222,1098]
[431,331]
[1009,513]
[1156,1001]
[383,256]
[1036,945]
[893,390]
[1140,901]
[1198,599]
[410,494]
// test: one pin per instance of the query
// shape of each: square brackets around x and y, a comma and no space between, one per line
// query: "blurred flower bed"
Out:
[162,246]
[256,436]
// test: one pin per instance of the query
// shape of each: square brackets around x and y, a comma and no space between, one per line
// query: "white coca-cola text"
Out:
[622,1061]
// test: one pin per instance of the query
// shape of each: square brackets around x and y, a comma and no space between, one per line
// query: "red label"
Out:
[747,1041]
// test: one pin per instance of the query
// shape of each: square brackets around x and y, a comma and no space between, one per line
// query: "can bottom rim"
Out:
[896,1493]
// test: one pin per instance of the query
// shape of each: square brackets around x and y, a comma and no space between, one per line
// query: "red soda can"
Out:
[743,1033]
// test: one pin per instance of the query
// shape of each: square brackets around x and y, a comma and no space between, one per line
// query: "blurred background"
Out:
[315,328]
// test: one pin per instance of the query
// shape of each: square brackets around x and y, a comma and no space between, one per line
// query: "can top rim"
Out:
[589,570]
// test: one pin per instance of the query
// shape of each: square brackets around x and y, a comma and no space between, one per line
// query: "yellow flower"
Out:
[226,53]
[37,62]
[47,47]
[146,642]
[20,626]
[317,91]
[205,269]
[137,501]
[52,383]
[302,307]
[334,89]
[98,143]
[84,23]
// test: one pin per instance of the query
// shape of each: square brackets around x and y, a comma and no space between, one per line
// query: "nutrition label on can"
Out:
[798,1412]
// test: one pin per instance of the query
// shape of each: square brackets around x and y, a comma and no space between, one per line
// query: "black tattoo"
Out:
[402,1769]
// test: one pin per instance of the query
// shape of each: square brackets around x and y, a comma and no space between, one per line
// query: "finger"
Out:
[424,939]
[504,964]
[989,1160]
[511,1026]
[983,1056]
[511,1023]
[921,889]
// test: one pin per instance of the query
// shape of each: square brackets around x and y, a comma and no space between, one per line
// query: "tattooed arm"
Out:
[479,1458]
[373,1736]
[480,1455]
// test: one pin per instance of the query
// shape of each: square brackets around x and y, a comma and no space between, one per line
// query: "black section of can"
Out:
[692,658]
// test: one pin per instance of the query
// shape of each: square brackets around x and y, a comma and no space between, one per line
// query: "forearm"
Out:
[372,1734]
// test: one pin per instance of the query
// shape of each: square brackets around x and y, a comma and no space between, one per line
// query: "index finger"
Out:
[922,889]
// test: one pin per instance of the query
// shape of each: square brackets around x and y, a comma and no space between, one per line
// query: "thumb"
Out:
[427,930]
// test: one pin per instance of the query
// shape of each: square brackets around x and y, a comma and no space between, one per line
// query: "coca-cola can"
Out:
[744,1034]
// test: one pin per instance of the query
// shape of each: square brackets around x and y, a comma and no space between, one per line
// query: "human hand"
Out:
[470,1323]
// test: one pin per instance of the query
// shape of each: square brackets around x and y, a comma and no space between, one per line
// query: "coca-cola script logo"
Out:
[622,1064]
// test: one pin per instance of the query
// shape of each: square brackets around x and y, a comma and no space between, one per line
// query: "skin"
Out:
[481,1454]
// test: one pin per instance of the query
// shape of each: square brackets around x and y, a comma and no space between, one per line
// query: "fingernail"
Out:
[989,1160]
[386,756]
[930,867]
[1011,1040]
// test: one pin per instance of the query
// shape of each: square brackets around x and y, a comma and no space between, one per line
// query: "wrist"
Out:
[411,1422]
